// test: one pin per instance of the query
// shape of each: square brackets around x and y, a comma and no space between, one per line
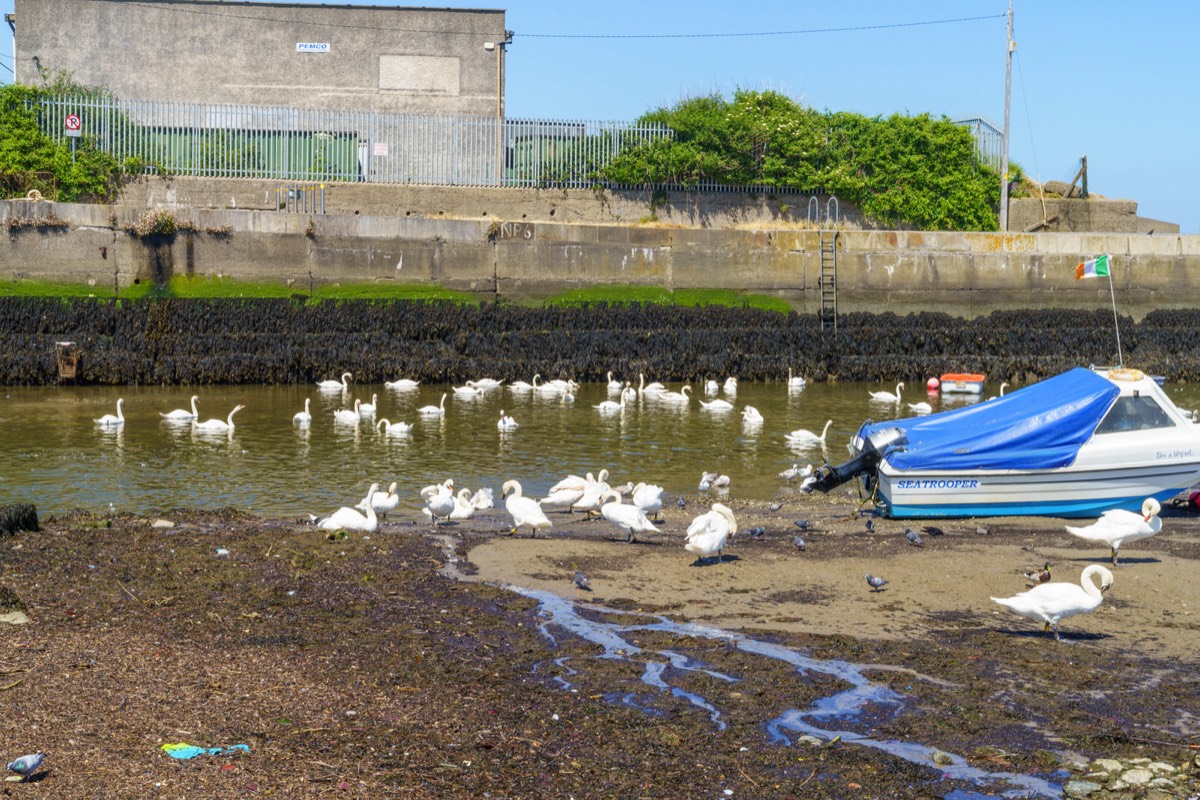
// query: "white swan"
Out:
[795,381]
[628,518]
[649,388]
[888,397]
[752,415]
[1053,602]
[402,384]
[710,532]
[112,421]
[730,386]
[394,428]
[592,492]
[182,414]
[382,502]
[920,408]
[611,406]
[217,424]
[439,501]
[797,471]
[576,482]
[717,405]
[614,385]
[468,391]
[1119,526]
[350,519]
[348,416]
[523,510]
[486,383]
[464,506]
[563,498]
[368,409]
[1003,386]
[303,417]
[344,383]
[525,386]
[434,411]
[711,386]
[507,423]
[676,397]
[648,497]
[629,394]
[713,480]
[804,436]
[482,499]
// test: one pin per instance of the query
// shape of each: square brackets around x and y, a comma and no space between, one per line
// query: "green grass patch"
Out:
[210,288]
[680,297]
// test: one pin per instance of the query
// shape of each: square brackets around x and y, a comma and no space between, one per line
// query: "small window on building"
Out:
[1134,414]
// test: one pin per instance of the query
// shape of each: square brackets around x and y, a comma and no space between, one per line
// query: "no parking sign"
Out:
[73,124]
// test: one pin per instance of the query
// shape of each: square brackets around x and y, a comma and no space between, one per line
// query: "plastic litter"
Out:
[185,750]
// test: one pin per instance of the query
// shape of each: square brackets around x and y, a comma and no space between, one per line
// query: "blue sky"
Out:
[1113,80]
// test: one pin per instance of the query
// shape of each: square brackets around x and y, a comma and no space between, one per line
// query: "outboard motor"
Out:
[874,448]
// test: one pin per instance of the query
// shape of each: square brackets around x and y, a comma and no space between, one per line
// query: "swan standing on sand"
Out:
[523,510]
[217,424]
[804,436]
[628,518]
[402,385]
[348,416]
[648,497]
[303,417]
[394,428]
[382,502]
[344,383]
[112,421]
[888,397]
[710,532]
[1053,602]
[439,500]
[434,411]
[346,518]
[1119,526]
[182,414]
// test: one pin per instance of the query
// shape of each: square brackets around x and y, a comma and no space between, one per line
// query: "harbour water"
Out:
[54,454]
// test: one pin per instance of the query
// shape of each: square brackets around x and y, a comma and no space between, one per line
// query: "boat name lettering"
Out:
[1173,454]
[931,483]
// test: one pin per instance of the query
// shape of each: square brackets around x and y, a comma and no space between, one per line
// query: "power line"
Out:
[756,33]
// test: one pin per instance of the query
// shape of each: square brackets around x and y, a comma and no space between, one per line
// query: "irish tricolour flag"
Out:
[1092,269]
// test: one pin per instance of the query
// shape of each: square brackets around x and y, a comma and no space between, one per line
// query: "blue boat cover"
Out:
[1040,426]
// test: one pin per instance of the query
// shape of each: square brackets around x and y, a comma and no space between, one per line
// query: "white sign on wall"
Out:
[381,148]
[312,47]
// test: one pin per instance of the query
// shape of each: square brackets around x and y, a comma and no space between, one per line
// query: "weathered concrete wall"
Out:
[379,58]
[1058,215]
[966,274]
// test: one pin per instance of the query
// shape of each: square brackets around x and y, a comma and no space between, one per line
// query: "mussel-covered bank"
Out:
[173,341]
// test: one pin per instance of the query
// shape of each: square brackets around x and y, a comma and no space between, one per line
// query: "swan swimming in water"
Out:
[730,385]
[218,424]
[614,385]
[112,421]
[1118,526]
[347,416]
[303,417]
[796,471]
[920,408]
[676,397]
[434,411]
[1053,602]
[368,409]
[713,480]
[795,381]
[403,384]
[716,405]
[394,428]
[711,386]
[649,388]
[804,436]
[888,397]
[350,519]
[610,406]
[525,386]
[628,518]
[523,510]
[344,383]
[182,414]
[507,423]
[710,532]
[751,415]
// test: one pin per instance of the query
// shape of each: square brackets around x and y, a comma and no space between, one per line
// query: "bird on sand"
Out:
[799,543]
[351,519]
[1119,526]
[681,502]
[1053,602]
[581,580]
[913,538]
[25,766]
[870,525]
[1039,575]
[757,533]
[876,583]
[523,510]
[710,532]
[932,530]
[802,524]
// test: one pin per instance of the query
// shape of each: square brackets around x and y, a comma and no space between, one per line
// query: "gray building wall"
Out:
[378,58]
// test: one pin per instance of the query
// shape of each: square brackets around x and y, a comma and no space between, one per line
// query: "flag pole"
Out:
[1116,322]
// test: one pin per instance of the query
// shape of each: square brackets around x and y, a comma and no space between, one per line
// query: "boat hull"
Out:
[1067,492]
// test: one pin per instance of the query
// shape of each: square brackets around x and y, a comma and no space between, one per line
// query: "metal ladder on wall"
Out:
[827,243]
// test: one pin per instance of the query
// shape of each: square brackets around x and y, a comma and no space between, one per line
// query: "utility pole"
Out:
[1011,45]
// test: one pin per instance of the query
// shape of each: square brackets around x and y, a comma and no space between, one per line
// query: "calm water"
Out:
[54,455]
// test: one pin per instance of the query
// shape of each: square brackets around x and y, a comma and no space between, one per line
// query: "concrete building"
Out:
[365,58]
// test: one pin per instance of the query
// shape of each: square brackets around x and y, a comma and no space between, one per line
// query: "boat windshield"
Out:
[1137,413]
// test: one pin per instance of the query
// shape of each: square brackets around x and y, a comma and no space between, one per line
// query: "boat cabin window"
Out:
[1134,414]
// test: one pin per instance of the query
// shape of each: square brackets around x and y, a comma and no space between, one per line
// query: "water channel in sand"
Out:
[53,454]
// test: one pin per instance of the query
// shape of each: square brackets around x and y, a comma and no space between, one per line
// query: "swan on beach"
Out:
[350,519]
[629,518]
[112,421]
[804,436]
[217,424]
[344,383]
[1053,602]
[439,500]
[434,411]
[710,532]
[648,497]
[382,502]
[303,417]
[464,507]
[1118,526]
[523,510]
[888,397]
[182,414]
